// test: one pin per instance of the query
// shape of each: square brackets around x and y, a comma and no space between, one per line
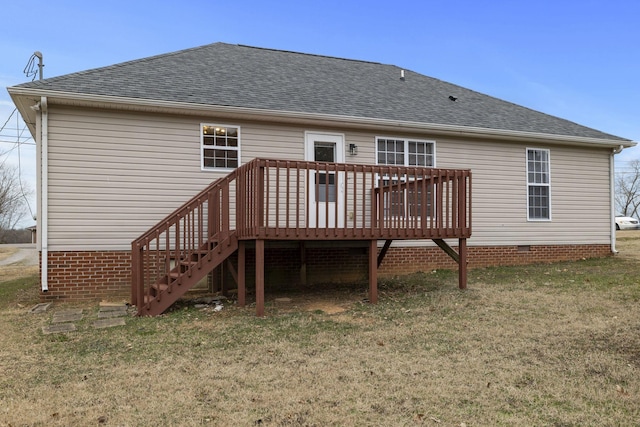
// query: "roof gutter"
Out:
[172,107]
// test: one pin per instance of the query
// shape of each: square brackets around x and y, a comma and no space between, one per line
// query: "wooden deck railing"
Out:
[280,199]
[298,200]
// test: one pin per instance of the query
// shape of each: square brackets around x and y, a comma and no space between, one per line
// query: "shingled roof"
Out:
[222,74]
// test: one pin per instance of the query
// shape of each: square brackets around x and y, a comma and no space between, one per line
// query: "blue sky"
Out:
[576,60]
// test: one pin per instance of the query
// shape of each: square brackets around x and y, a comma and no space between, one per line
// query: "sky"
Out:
[579,60]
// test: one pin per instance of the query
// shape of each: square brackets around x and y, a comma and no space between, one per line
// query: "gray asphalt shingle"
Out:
[243,76]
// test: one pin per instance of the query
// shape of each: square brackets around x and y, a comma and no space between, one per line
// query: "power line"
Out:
[9,118]
[31,70]
[25,142]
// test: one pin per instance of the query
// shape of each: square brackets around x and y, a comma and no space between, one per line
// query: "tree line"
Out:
[628,190]
[13,206]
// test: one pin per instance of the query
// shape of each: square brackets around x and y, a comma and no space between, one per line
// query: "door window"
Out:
[325,181]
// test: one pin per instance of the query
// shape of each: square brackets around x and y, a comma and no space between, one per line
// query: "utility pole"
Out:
[38,54]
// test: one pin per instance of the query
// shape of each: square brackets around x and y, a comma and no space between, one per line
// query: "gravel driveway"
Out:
[26,254]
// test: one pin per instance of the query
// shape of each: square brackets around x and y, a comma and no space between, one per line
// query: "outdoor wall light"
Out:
[353,149]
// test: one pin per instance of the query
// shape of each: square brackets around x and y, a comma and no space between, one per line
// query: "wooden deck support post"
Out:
[260,278]
[242,289]
[221,275]
[303,263]
[462,263]
[373,271]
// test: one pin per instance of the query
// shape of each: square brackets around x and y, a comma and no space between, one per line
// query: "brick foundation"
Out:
[90,275]
[409,260]
[76,276]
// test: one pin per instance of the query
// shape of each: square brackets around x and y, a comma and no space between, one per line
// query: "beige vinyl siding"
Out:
[113,175]
[580,194]
[272,142]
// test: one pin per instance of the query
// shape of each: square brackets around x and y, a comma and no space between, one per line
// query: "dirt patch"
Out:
[326,298]
[326,306]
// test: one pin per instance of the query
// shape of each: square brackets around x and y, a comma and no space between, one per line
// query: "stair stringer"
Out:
[169,290]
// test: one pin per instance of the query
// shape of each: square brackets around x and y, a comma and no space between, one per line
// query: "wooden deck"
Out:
[298,200]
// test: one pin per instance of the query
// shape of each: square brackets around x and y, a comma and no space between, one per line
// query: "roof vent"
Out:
[402,75]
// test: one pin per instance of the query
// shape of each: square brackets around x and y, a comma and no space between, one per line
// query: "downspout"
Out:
[44,192]
[612,185]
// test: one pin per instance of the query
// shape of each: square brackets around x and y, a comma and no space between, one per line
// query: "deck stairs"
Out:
[179,251]
[186,273]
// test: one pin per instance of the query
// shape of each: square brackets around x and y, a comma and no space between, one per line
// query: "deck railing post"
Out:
[137,291]
[259,192]
[469,205]
[225,211]
[210,215]
[135,268]
[375,193]
[462,206]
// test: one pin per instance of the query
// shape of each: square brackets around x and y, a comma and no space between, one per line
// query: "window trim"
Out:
[202,147]
[535,184]
[406,206]
[406,150]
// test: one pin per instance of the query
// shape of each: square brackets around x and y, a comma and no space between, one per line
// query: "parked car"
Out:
[626,223]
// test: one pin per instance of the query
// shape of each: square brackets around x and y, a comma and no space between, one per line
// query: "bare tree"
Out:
[628,190]
[12,200]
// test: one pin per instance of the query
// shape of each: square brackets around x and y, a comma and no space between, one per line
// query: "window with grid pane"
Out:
[405,152]
[538,184]
[404,199]
[220,146]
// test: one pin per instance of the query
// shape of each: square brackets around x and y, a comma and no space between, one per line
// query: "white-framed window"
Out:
[219,146]
[405,152]
[404,200]
[538,184]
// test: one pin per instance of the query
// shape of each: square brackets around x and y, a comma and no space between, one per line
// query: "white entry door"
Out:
[326,188]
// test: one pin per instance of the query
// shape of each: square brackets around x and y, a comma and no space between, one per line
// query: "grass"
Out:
[19,292]
[7,251]
[555,344]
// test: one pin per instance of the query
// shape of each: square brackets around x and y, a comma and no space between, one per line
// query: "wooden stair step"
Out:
[159,287]
[187,263]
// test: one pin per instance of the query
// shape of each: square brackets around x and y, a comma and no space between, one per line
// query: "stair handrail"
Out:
[138,286]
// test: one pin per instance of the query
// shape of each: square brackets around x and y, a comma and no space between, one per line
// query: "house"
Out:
[33,230]
[121,147]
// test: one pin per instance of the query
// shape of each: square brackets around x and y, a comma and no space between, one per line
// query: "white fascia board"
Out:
[172,107]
